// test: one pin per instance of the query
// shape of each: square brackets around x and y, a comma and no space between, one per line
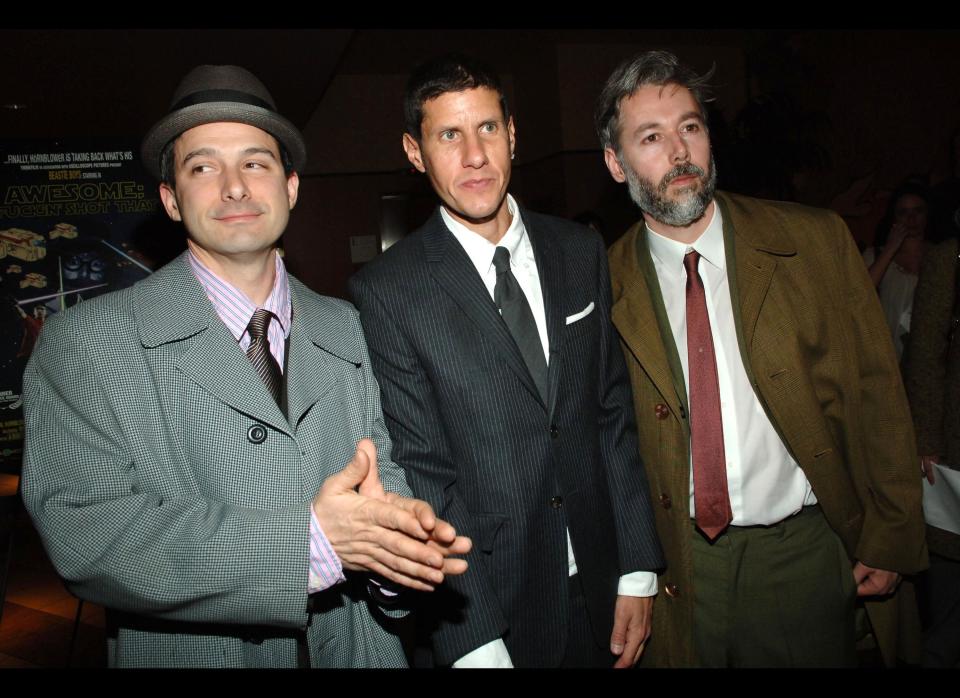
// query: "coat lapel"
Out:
[172,307]
[752,249]
[451,268]
[317,333]
[634,315]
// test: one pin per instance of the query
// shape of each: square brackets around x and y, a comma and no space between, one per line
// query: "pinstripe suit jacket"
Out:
[153,500]
[477,441]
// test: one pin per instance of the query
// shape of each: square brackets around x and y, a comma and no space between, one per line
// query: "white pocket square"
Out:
[582,314]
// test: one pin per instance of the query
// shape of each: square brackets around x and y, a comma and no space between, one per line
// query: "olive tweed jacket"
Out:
[818,353]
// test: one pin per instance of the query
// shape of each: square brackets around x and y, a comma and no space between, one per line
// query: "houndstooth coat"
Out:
[156,497]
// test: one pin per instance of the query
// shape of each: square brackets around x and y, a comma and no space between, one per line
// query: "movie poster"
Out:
[69,220]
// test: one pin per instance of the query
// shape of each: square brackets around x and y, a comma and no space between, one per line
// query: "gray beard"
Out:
[687,208]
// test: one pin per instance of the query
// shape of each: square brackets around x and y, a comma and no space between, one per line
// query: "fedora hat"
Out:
[211,93]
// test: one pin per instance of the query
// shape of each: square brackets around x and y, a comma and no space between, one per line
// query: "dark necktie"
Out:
[259,352]
[519,318]
[711,499]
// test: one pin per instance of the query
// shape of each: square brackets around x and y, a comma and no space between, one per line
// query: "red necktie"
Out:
[711,500]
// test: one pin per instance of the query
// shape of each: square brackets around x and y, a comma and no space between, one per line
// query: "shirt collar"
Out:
[234,307]
[670,253]
[479,249]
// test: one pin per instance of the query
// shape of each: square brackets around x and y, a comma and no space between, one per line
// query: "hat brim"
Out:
[184,119]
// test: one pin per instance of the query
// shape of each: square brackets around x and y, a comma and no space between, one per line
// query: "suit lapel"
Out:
[172,307]
[453,271]
[635,315]
[549,259]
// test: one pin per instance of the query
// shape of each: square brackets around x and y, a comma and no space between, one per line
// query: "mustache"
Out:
[682,170]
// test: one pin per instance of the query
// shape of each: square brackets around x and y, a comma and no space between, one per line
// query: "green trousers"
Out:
[774,596]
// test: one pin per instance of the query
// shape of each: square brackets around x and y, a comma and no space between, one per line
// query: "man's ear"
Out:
[169,199]
[613,164]
[293,187]
[513,137]
[412,149]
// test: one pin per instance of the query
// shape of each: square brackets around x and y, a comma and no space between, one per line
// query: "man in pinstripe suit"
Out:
[520,434]
[216,520]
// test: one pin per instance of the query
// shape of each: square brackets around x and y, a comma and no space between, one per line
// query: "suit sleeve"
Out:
[469,614]
[139,544]
[925,369]
[637,540]
[886,468]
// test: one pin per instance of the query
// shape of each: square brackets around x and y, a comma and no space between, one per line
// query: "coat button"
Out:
[661,410]
[554,432]
[257,434]
[665,500]
[556,502]
[673,591]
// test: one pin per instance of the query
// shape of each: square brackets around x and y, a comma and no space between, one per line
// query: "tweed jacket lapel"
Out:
[752,247]
[172,308]
[454,272]
[635,315]
[315,335]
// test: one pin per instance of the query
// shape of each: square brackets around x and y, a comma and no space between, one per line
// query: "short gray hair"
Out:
[649,68]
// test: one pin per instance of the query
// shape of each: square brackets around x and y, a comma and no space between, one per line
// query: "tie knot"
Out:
[501,259]
[259,323]
[690,260]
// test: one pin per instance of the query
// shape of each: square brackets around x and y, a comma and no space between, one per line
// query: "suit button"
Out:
[257,434]
[554,432]
[665,500]
[661,410]
[673,591]
[556,502]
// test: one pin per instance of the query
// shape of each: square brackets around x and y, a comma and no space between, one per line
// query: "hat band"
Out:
[205,96]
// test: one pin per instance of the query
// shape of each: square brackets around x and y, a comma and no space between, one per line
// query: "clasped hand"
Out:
[399,538]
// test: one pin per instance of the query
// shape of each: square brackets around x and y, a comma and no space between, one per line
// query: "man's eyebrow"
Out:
[210,152]
[259,150]
[198,153]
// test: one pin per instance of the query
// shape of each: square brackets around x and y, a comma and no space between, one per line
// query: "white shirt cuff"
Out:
[638,584]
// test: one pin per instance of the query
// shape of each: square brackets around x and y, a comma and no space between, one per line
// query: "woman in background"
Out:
[895,268]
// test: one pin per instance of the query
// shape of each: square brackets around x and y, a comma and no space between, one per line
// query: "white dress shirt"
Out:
[765,483]
[524,268]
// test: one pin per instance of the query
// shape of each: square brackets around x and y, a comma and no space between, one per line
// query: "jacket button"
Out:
[665,500]
[673,591]
[661,410]
[554,432]
[556,502]
[257,434]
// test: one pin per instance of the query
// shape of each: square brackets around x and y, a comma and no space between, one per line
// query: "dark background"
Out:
[832,118]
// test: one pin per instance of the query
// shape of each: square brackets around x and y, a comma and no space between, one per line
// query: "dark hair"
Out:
[168,169]
[915,185]
[448,73]
[651,68]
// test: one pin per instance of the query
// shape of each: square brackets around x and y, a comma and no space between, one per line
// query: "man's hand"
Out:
[397,537]
[873,582]
[631,629]
[927,469]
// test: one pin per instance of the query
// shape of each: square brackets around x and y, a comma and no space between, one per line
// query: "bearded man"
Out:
[772,417]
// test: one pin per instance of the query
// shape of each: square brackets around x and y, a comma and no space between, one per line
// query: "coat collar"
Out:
[170,306]
[753,243]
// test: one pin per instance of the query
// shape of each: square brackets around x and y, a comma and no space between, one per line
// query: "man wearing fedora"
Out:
[205,454]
